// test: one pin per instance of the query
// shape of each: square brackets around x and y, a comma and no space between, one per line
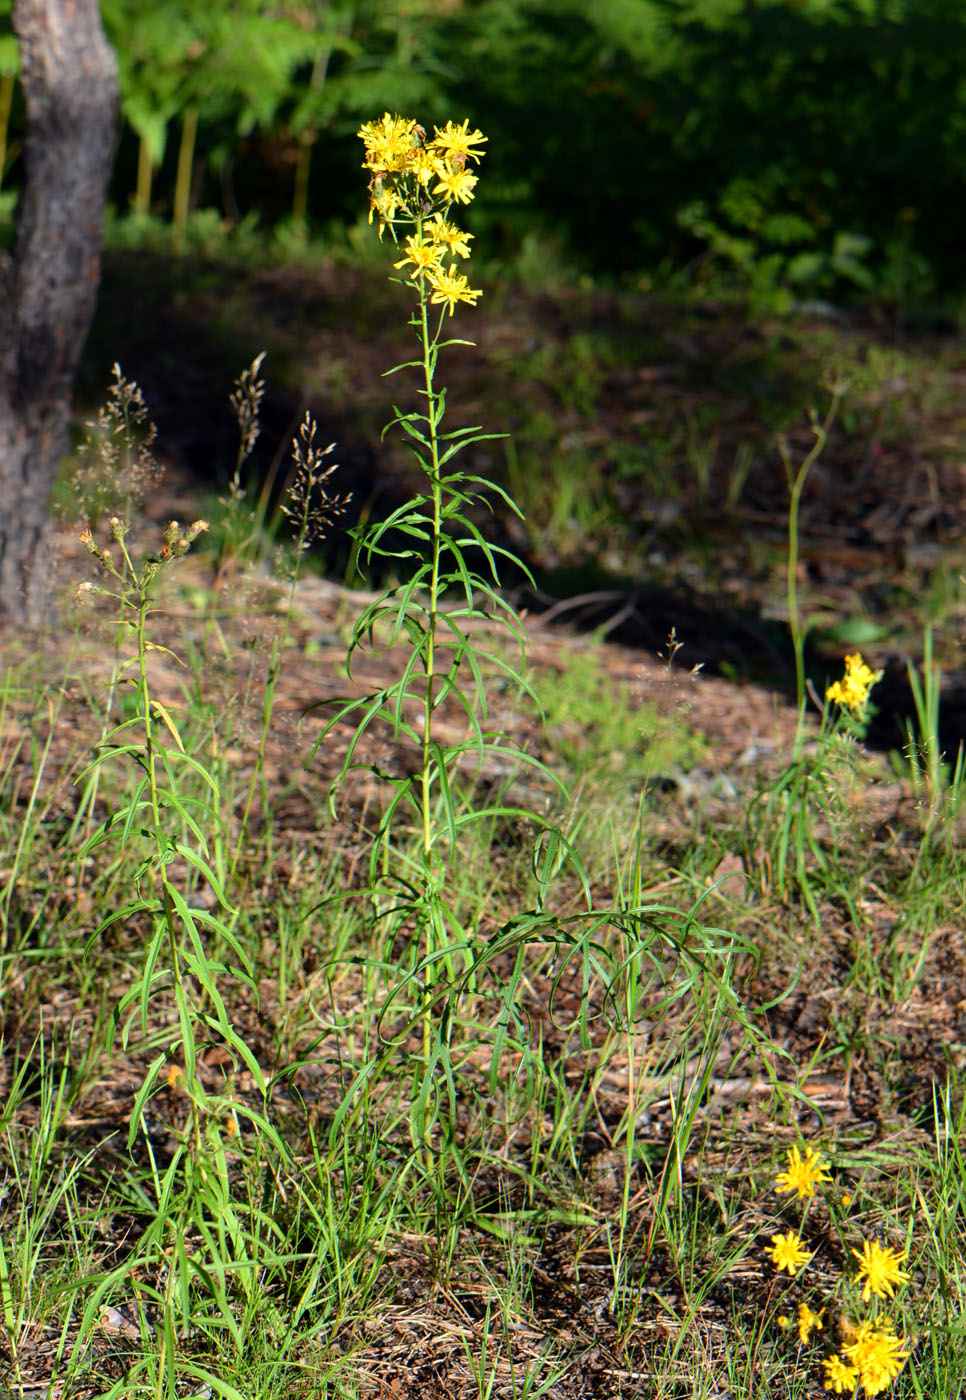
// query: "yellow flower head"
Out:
[838,1376]
[879,1270]
[450,287]
[424,165]
[390,143]
[852,691]
[449,236]
[789,1253]
[422,255]
[803,1173]
[456,184]
[808,1322]
[877,1353]
[459,141]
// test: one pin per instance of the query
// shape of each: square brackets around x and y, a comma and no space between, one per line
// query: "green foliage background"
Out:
[810,145]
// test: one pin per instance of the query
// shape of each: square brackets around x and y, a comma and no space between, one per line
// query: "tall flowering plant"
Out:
[450,585]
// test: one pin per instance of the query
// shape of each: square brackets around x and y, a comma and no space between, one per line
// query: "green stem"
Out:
[796,485]
[433,601]
[429,655]
[150,766]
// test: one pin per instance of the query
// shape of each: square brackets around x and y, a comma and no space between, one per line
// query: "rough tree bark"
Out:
[48,289]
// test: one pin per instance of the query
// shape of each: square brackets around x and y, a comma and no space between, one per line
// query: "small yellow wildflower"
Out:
[852,691]
[424,165]
[784,1321]
[459,140]
[808,1322]
[389,142]
[879,1269]
[877,1353]
[456,184]
[789,1253]
[804,1173]
[452,238]
[422,255]
[846,1202]
[450,287]
[838,1376]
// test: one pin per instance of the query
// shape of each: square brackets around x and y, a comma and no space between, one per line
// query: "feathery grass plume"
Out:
[117,468]
[241,521]
[310,506]
[246,402]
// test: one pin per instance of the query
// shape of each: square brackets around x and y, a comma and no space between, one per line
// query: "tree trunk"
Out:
[48,290]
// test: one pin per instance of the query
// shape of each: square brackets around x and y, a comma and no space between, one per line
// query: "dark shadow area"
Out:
[661,420]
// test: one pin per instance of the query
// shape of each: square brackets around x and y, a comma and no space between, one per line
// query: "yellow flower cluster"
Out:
[414,182]
[852,691]
[872,1354]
